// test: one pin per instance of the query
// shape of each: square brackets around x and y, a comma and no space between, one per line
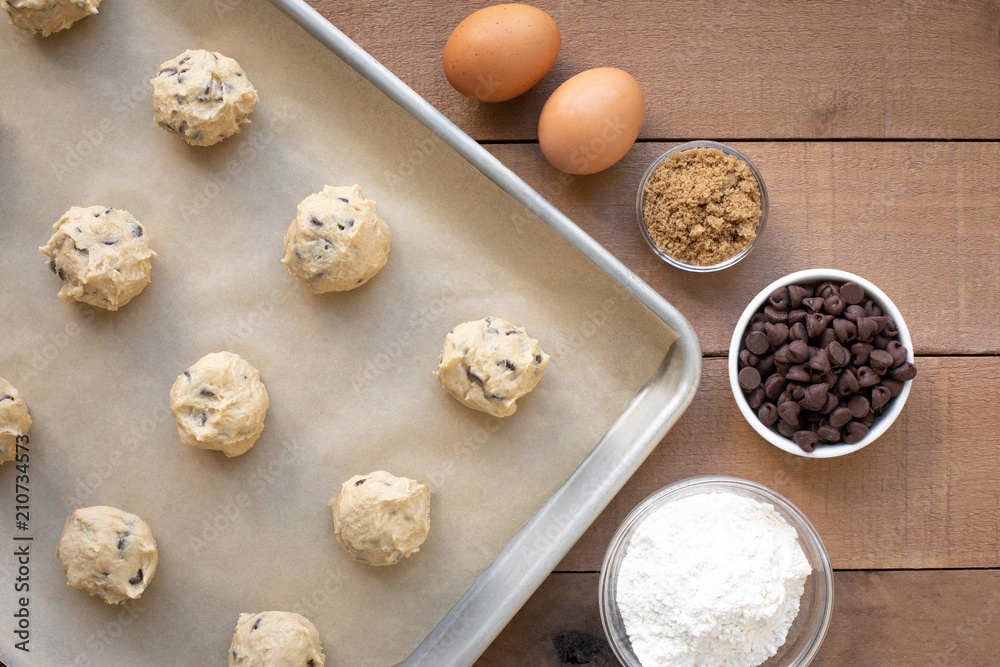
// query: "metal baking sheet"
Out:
[537,548]
[75,128]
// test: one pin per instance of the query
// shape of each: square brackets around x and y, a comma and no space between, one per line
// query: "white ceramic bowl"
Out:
[815,606]
[889,412]
[640,207]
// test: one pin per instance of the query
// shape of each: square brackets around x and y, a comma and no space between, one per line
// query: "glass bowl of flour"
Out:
[716,572]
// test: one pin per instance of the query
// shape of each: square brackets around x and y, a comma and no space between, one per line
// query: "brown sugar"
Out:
[702,206]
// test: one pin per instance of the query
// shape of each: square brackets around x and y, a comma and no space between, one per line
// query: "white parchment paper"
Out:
[349,375]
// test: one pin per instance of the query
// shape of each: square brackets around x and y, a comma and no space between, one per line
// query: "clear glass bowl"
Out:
[815,607]
[640,197]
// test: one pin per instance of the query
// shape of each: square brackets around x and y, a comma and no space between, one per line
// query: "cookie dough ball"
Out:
[275,639]
[14,420]
[47,16]
[202,96]
[108,553]
[380,518]
[489,364]
[101,255]
[219,403]
[337,241]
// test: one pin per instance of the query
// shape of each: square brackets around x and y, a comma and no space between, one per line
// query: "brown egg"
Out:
[499,52]
[591,120]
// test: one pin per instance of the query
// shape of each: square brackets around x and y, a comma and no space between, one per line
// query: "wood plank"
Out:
[924,495]
[850,69]
[917,219]
[880,619]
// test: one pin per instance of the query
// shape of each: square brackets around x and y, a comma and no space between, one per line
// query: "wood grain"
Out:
[924,495]
[917,219]
[930,618]
[851,69]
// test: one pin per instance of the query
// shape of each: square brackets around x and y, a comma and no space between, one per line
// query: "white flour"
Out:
[711,580]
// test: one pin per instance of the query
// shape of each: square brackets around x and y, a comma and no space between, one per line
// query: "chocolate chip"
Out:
[122,540]
[768,414]
[256,624]
[474,378]
[903,373]
[895,387]
[815,397]
[207,392]
[776,334]
[880,360]
[834,305]
[361,481]
[747,358]
[137,579]
[508,363]
[316,221]
[756,342]
[891,330]
[773,315]
[848,383]
[806,440]
[816,322]
[798,373]
[840,416]
[756,398]
[204,418]
[798,352]
[789,411]
[828,336]
[797,316]
[845,330]
[786,429]
[61,273]
[538,359]
[831,403]
[6,397]
[871,308]
[854,432]
[820,362]
[897,352]
[861,353]
[852,293]
[137,230]
[880,396]
[854,313]
[837,355]
[828,433]
[765,365]
[797,331]
[827,288]
[867,328]
[859,406]
[187,374]
[779,298]
[796,294]
[749,379]
[867,377]
[774,386]
[813,304]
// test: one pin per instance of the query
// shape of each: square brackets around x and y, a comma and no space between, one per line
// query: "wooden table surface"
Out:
[876,127]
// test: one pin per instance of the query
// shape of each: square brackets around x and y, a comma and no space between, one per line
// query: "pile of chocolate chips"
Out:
[820,362]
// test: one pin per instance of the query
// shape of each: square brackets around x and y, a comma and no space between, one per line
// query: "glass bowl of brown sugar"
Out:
[701,206]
